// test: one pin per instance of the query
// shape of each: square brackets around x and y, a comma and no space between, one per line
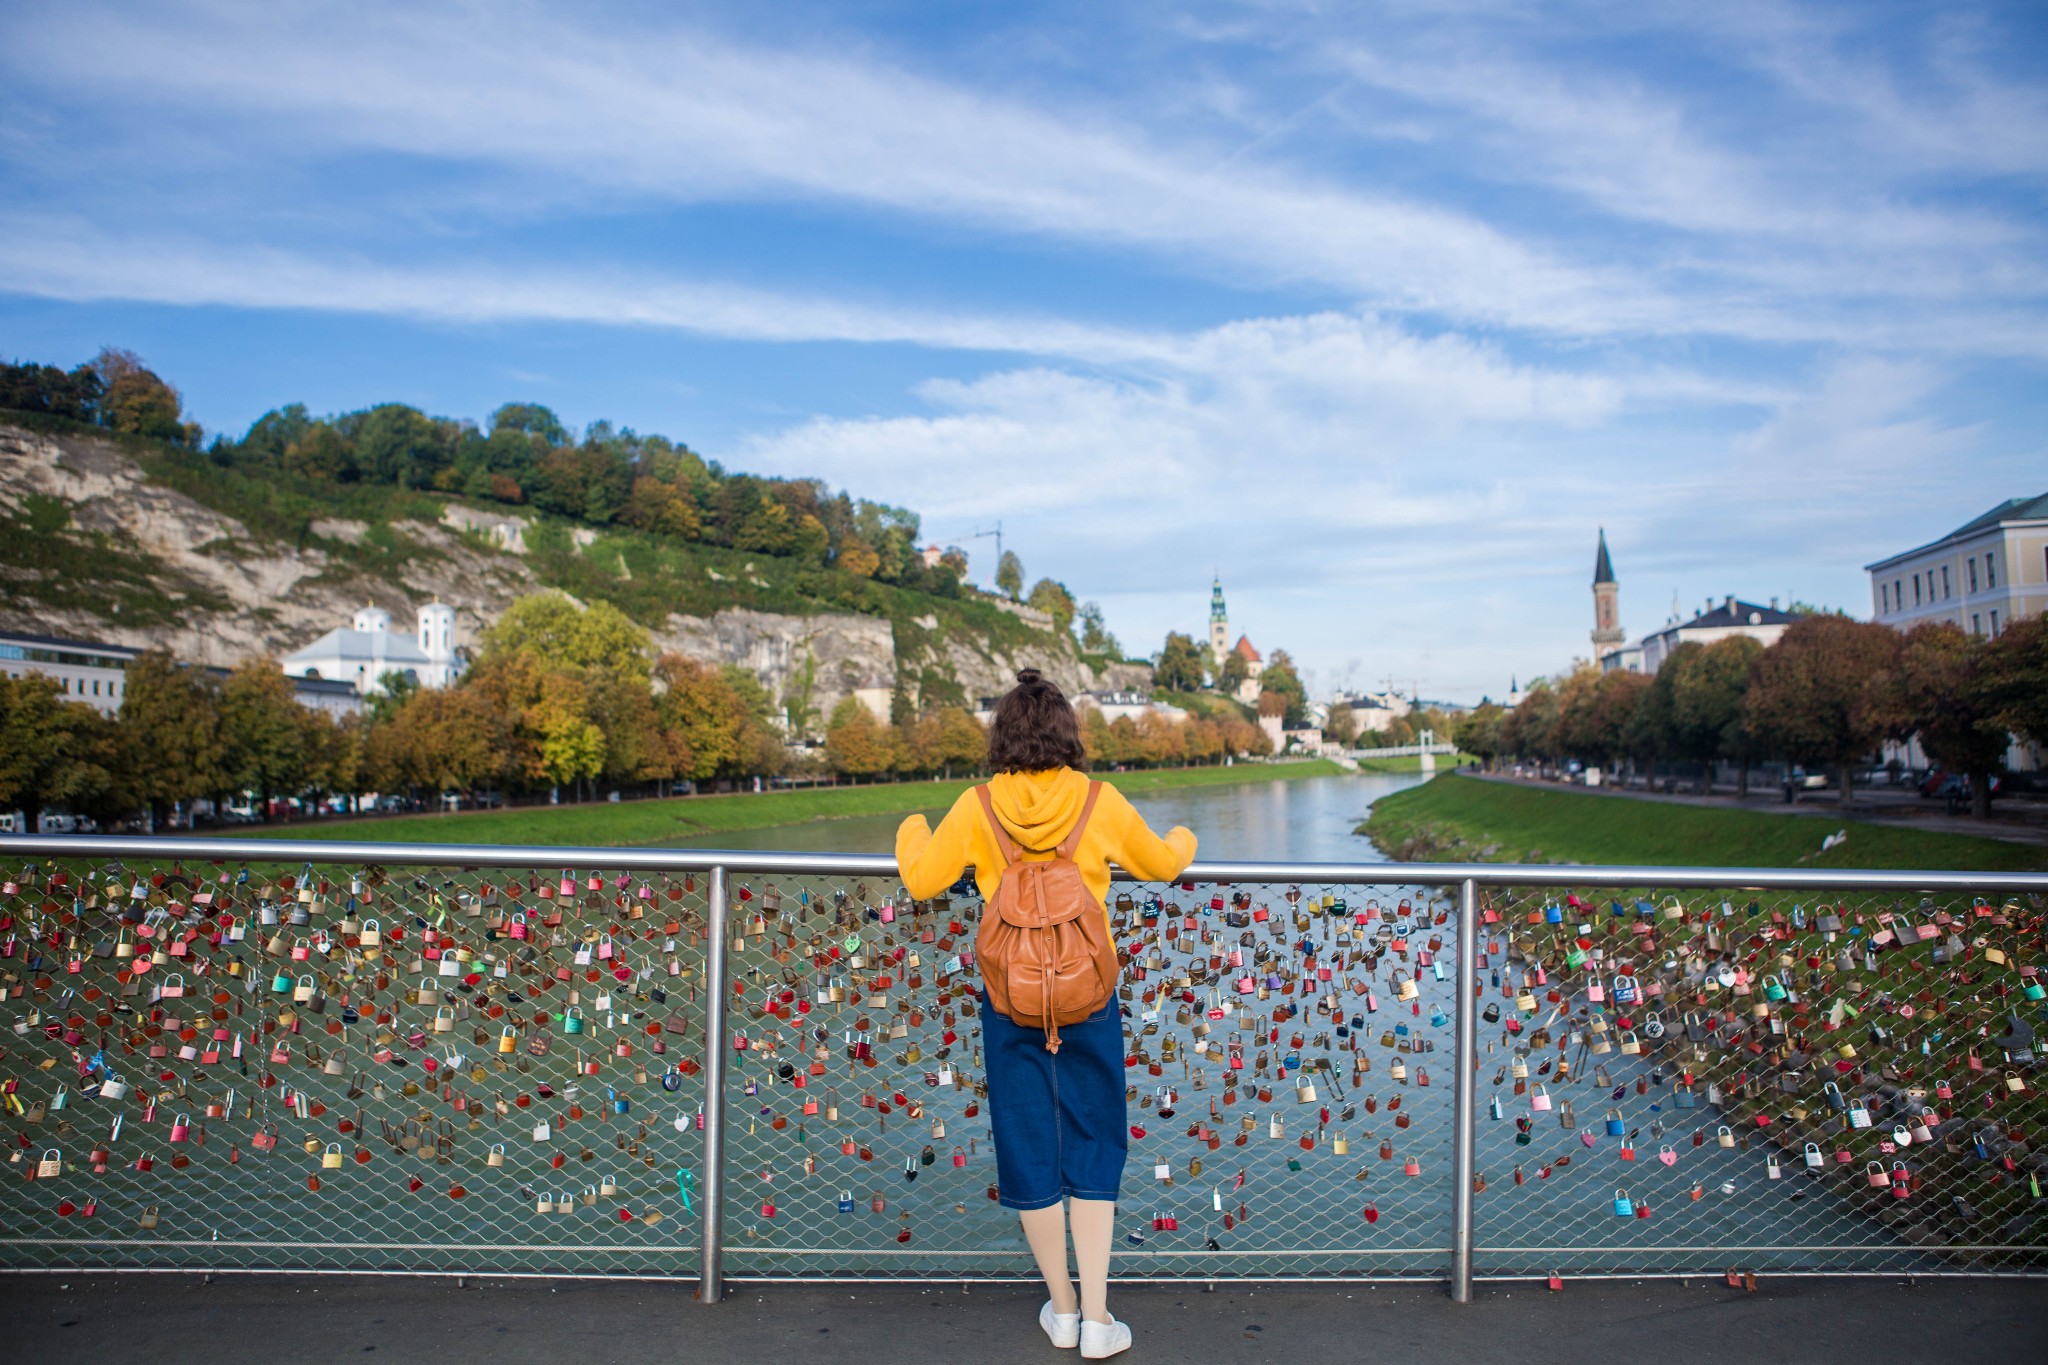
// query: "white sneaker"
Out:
[1063,1328]
[1101,1340]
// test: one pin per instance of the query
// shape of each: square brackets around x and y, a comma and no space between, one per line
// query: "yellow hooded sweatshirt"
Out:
[1038,810]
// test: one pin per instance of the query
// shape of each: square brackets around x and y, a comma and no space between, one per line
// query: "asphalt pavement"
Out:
[243,1320]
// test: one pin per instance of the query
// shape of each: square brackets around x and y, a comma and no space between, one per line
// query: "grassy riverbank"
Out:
[642,823]
[1464,819]
[1408,763]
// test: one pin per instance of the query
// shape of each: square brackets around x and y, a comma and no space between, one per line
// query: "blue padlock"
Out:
[1553,914]
[846,1201]
[1624,1207]
[1615,1127]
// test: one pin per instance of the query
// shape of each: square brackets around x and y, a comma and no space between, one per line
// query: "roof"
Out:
[338,687]
[1733,612]
[1243,649]
[369,646]
[2012,509]
[1603,567]
[16,637]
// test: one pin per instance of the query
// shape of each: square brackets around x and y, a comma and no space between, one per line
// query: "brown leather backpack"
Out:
[1044,947]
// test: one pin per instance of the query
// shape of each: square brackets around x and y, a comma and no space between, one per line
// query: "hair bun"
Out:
[1029,675]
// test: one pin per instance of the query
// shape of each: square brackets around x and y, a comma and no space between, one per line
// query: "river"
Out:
[1309,820]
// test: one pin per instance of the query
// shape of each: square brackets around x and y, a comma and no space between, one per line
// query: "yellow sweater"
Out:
[1038,810]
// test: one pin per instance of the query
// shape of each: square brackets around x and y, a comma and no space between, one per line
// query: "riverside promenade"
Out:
[261,1320]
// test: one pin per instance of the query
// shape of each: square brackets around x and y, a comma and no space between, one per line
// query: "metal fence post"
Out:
[1468,1089]
[711,1190]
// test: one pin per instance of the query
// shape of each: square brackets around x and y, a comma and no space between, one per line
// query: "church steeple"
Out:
[1219,622]
[1608,635]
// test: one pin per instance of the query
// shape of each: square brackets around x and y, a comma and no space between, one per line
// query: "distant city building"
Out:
[1763,624]
[1219,653]
[1984,575]
[363,652]
[930,555]
[90,671]
[1374,711]
[96,673]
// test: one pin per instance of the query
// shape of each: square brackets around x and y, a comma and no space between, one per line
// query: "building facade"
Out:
[361,653]
[1982,576]
[86,670]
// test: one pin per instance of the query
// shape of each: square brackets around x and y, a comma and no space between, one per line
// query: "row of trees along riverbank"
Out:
[559,697]
[1825,695]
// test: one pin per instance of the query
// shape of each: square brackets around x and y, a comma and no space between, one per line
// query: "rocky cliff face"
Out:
[225,592]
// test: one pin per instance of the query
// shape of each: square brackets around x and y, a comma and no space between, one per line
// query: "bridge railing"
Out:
[233,1056]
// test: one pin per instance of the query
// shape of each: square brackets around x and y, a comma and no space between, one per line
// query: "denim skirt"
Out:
[1059,1118]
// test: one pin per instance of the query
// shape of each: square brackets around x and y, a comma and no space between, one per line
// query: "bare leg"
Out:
[1094,1223]
[1046,1230]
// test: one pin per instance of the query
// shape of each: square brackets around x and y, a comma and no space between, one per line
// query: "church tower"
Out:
[1219,623]
[1608,635]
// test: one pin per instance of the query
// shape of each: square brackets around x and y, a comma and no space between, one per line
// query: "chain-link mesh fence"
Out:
[343,1066]
[237,1065]
[1739,1080]
[1289,1053]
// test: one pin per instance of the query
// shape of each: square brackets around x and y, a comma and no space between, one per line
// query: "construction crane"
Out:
[979,534]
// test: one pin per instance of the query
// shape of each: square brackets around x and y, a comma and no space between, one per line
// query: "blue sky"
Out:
[1379,310]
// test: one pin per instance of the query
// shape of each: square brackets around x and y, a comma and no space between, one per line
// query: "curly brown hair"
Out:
[1034,729]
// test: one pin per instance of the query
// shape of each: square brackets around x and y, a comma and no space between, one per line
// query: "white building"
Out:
[363,652]
[85,670]
[1764,624]
[1374,711]
[1982,576]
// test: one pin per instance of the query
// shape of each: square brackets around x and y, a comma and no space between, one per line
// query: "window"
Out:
[1994,620]
[1945,593]
[1898,594]
[1884,598]
[1970,567]
[1991,581]
[1976,624]
[1916,590]
[95,687]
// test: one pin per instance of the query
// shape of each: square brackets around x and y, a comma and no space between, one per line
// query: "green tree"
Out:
[52,751]
[1055,601]
[561,634]
[1707,688]
[1010,575]
[134,399]
[452,739]
[170,725]
[702,721]
[394,690]
[1531,728]
[1483,732]
[263,731]
[1341,725]
[1095,636]
[1810,696]
[1280,676]
[1180,666]
[569,743]
[399,445]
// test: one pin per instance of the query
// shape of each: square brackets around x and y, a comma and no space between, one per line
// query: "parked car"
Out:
[1953,785]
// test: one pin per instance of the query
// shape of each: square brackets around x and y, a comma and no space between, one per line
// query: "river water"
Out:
[1309,820]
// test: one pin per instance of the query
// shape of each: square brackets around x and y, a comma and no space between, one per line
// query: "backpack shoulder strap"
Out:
[1073,839]
[1005,845]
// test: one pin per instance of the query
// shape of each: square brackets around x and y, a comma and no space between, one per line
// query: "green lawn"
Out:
[1464,819]
[643,823]
[1409,763]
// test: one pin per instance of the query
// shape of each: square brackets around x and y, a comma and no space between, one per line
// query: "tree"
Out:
[568,742]
[135,400]
[263,731]
[622,707]
[1010,574]
[1810,695]
[1482,732]
[1281,677]
[1530,731]
[1596,710]
[1055,601]
[1231,676]
[561,634]
[857,557]
[1942,688]
[1095,636]
[1707,687]
[394,690]
[856,743]
[1652,732]
[701,719]
[662,509]
[2017,667]
[170,723]
[449,739]
[1180,667]
[52,751]
[960,741]
[1341,725]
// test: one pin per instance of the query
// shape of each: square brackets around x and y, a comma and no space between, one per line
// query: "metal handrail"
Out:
[884,865]
[719,864]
